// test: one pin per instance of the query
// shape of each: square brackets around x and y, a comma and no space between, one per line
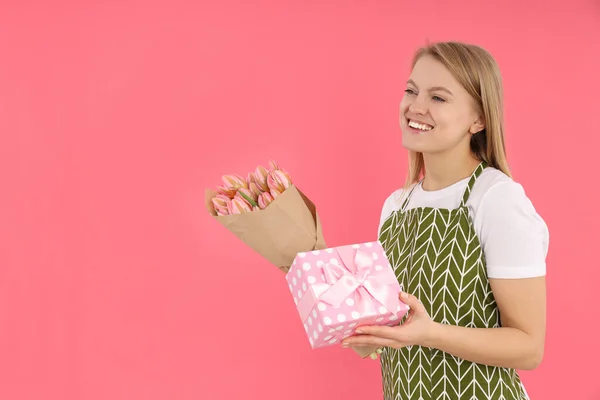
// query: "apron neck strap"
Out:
[471,183]
[483,165]
[405,203]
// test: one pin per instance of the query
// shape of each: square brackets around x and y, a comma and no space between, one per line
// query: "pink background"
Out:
[115,116]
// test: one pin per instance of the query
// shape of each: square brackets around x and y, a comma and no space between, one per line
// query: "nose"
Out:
[417,107]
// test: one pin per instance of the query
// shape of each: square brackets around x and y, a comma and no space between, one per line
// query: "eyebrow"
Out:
[434,88]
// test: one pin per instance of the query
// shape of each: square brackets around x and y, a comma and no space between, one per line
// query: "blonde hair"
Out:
[477,71]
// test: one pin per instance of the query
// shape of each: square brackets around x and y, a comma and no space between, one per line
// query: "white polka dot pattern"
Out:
[326,324]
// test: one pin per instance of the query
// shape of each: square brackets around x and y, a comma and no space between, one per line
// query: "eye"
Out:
[437,98]
[409,91]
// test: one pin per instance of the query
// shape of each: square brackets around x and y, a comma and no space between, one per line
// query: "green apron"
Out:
[437,257]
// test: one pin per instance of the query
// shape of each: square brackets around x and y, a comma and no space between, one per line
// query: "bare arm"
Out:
[518,344]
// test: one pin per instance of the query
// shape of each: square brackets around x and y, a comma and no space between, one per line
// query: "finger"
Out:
[413,302]
[385,332]
[368,340]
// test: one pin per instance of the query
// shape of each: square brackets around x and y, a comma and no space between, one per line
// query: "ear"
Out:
[477,126]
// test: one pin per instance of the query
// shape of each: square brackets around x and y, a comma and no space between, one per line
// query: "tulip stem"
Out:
[248,199]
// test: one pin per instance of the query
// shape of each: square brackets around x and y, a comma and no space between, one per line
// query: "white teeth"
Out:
[422,127]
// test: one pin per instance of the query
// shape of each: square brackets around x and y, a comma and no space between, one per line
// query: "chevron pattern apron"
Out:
[437,256]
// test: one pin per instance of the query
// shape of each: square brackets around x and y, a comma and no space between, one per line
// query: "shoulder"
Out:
[491,182]
[513,234]
[392,203]
[496,192]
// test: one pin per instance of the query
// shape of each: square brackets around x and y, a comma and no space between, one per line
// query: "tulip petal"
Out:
[228,192]
[255,190]
[239,206]
[283,179]
[234,181]
[271,182]
[260,178]
[264,200]
[250,179]
[222,211]
[220,200]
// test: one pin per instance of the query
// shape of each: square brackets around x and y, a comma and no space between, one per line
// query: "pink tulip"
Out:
[247,195]
[260,178]
[264,200]
[278,180]
[222,212]
[271,183]
[220,200]
[239,206]
[255,190]
[250,178]
[274,193]
[273,166]
[225,209]
[228,192]
[231,183]
[234,181]
[220,204]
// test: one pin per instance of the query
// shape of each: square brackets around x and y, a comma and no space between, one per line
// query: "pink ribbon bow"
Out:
[356,274]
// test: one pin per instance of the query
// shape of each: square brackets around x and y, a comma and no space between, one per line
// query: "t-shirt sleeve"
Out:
[387,209]
[513,235]
[385,212]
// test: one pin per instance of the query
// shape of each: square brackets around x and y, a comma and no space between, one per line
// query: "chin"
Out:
[410,145]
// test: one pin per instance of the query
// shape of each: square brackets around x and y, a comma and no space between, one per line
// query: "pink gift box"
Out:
[338,289]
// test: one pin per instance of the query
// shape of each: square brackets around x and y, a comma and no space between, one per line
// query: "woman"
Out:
[464,239]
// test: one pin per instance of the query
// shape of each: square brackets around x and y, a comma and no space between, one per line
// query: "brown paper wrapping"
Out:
[288,226]
[365,351]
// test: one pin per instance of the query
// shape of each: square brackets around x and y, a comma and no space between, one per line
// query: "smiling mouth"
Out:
[419,127]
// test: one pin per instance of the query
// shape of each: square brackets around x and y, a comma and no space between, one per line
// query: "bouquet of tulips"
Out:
[267,212]
[238,195]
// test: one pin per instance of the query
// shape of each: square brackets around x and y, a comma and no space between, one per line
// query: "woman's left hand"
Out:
[416,330]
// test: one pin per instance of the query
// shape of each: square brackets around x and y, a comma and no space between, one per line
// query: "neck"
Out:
[443,170]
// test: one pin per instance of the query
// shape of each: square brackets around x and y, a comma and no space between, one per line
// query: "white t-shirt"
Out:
[513,236]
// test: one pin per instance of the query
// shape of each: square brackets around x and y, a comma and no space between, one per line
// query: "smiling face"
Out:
[437,115]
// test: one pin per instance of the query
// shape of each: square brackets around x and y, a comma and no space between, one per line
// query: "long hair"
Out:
[477,71]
